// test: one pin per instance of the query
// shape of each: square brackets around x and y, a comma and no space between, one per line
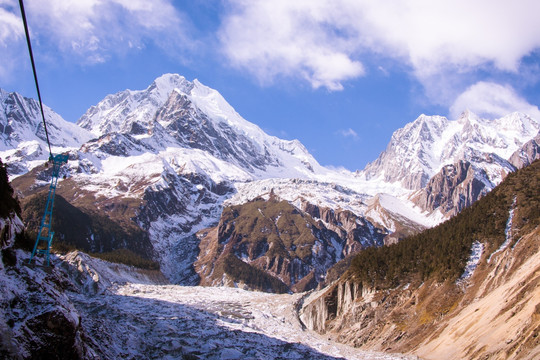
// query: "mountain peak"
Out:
[166,83]
[119,112]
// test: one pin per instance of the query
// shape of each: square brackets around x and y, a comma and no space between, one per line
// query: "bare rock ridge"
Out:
[289,246]
[529,152]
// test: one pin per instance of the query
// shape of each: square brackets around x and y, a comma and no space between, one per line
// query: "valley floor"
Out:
[172,322]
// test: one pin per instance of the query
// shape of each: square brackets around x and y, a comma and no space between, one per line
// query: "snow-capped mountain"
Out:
[22,135]
[168,159]
[173,112]
[422,148]
[131,111]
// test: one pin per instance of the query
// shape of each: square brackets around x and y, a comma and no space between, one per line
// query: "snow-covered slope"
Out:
[122,111]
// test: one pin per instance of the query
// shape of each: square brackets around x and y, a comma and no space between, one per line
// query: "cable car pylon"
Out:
[45,234]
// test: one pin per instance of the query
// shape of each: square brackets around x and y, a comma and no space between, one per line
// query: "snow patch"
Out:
[477,250]
[507,231]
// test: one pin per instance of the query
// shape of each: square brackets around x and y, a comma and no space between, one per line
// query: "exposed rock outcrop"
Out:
[453,188]
[529,152]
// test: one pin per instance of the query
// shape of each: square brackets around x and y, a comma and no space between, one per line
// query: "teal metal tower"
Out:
[45,235]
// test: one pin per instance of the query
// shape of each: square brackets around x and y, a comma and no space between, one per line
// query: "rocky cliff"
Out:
[529,152]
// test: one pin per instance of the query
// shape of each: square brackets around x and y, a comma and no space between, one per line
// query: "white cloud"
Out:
[11,34]
[288,38]
[91,31]
[10,24]
[327,41]
[491,100]
[349,133]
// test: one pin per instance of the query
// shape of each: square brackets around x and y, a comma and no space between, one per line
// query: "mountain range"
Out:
[176,175]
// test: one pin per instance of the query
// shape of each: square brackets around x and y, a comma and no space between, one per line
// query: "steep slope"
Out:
[465,289]
[131,111]
[454,188]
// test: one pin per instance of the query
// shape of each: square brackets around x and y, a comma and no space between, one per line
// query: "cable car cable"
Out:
[35,73]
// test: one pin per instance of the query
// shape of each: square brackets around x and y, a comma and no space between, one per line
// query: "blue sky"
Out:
[339,75]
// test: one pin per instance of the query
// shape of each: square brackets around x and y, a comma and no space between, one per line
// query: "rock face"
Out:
[191,128]
[441,321]
[132,111]
[455,187]
[295,247]
[529,152]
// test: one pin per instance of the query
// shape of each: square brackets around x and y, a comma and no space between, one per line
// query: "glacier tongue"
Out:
[153,320]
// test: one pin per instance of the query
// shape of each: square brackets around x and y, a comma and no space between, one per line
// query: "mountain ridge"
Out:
[423,147]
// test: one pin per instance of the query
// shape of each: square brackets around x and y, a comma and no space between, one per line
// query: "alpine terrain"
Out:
[172,189]
[86,308]
[176,176]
